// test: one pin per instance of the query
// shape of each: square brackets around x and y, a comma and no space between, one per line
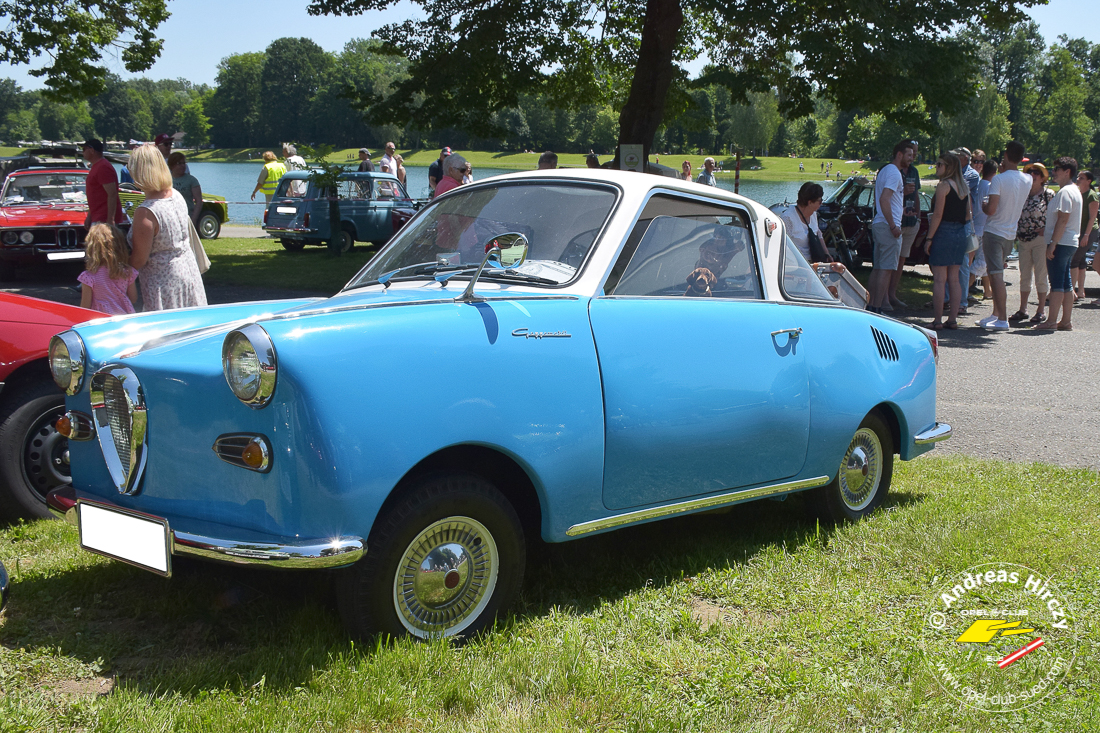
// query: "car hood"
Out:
[119,337]
[21,309]
[44,215]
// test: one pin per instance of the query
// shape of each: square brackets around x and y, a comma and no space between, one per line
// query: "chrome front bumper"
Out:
[298,555]
[936,433]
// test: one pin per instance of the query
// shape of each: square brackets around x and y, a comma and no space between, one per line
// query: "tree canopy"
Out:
[470,59]
[74,34]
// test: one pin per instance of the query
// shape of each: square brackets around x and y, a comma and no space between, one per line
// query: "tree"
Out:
[1066,129]
[753,125]
[120,112]
[194,122]
[73,35]
[470,58]
[1011,57]
[62,121]
[294,70]
[234,110]
[984,123]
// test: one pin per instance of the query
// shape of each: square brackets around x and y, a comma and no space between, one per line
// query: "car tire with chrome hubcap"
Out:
[863,478]
[210,226]
[34,457]
[442,562]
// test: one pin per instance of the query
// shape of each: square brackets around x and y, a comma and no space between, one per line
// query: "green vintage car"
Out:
[215,211]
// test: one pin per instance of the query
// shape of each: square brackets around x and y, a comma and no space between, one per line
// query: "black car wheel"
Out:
[292,245]
[210,226]
[34,457]
[863,478]
[442,562]
[345,241]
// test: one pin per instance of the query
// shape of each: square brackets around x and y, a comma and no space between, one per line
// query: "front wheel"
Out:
[442,562]
[863,478]
[34,457]
[210,226]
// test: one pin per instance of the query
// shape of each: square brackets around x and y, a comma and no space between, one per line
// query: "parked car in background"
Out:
[215,211]
[42,213]
[372,207]
[34,457]
[550,353]
[845,219]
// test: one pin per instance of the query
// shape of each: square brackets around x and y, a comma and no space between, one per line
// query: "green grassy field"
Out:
[757,619]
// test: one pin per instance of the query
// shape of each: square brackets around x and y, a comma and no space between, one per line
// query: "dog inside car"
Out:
[700,282]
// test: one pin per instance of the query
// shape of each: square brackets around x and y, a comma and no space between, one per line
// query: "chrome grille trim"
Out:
[887,349]
[118,407]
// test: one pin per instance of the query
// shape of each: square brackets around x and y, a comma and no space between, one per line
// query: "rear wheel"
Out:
[343,243]
[210,226]
[442,562]
[34,457]
[863,478]
[292,245]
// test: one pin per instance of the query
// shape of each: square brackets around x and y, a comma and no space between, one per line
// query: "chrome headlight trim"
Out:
[70,379]
[126,470]
[264,349]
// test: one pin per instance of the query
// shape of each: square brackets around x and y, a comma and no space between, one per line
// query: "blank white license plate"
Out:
[64,255]
[137,540]
[286,210]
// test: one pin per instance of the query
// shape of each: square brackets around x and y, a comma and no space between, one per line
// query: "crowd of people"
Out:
[981,211]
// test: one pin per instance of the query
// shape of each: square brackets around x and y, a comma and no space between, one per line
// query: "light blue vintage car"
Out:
[547,354]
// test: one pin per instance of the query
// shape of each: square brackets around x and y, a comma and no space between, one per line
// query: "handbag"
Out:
[196,247]
[973,243]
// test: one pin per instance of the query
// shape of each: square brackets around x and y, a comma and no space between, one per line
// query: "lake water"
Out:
[235,182]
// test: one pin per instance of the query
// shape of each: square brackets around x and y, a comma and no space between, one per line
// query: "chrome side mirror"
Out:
[513,248]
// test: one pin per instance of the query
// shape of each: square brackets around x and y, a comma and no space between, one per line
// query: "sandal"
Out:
[951,325]
[936,326]
[1065,326]
[1037,318]
[1017,317]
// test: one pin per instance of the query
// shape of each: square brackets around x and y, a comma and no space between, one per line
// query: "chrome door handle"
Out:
[794,332]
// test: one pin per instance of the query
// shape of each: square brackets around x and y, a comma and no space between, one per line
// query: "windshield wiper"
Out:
[513,275]
[418,270]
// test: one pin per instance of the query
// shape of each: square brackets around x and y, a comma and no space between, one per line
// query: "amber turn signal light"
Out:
[64,426]
[253,455]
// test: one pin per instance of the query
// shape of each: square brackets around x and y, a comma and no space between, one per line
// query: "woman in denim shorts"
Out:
[1063,224]
[947,238]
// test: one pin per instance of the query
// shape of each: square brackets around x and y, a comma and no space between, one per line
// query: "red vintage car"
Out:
[34,457]
[42,213]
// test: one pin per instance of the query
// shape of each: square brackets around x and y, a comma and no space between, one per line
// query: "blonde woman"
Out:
[160,239]
[269,177]
[401,173]
[947,239]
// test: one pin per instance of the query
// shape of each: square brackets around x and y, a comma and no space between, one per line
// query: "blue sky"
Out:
[202,32]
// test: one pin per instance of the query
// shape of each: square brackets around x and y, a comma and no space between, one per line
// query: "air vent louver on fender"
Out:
[887,349]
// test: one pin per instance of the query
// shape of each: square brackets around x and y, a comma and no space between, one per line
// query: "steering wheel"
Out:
[577,247]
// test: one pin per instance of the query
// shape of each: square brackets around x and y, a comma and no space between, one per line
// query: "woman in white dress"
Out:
[160,239]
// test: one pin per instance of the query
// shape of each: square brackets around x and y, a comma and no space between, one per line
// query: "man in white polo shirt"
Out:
[886,226]
[1007,195]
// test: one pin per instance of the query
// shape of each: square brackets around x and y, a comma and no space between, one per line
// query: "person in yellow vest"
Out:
[270,174]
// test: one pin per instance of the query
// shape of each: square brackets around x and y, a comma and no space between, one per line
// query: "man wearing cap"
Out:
[435,170]
[164,142]
[387,164]
[365,166]
[101,187]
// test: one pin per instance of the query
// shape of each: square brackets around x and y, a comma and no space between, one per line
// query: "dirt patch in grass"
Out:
[93,687]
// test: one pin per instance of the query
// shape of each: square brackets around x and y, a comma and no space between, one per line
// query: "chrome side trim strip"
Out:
[940,431]
[693,505]
[313,554]
[396,304]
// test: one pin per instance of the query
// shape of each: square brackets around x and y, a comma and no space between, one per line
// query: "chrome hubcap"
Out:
[46,455]
[446,577]
[861,470]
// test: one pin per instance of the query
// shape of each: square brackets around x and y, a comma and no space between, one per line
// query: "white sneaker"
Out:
[985,321]
[996,326]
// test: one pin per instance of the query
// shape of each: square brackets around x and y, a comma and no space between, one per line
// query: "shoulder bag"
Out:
[818,251]
[196,247]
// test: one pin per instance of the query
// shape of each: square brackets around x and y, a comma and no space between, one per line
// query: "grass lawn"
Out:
[757,619]
[264,263]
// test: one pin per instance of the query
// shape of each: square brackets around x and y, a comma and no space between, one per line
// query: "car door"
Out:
[702,392]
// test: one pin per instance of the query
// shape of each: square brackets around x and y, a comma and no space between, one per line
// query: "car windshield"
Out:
[560,222]
[45,188]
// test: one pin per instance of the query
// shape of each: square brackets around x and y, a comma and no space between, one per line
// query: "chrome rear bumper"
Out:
[299,555]
[936,433]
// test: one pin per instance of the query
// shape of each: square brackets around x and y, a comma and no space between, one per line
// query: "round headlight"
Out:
[248,360]
[11,237]
[26,237]
[67,361]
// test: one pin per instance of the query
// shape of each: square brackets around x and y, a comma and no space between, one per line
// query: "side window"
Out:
[867,196]
[799,279]
[693,256]
[386,190]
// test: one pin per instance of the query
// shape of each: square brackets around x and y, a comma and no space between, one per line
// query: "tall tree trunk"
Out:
[645,107]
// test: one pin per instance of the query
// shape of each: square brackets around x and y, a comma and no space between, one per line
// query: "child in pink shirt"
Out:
[108,279]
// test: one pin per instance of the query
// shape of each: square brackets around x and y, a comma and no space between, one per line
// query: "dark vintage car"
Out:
[845,219]
[373,206]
